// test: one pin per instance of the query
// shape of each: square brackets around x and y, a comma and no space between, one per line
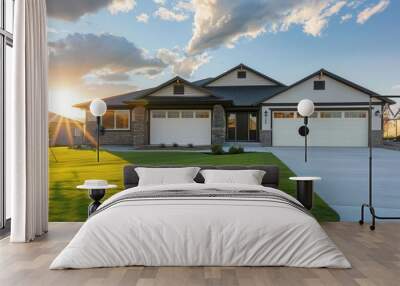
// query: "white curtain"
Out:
[27,133]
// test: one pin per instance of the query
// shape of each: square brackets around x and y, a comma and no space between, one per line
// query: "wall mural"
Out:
[104,48]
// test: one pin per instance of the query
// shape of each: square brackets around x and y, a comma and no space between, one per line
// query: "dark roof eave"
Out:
[144,102]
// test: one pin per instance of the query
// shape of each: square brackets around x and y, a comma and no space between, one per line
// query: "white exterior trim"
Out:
[169,91]
[231,79]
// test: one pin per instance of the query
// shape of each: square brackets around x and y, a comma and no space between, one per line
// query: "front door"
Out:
[241,126]
[242,133]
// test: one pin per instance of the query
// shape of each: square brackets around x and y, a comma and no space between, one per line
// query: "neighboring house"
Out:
[64,131]
[241,105]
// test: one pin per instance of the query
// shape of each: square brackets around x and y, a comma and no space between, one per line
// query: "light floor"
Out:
[375,257]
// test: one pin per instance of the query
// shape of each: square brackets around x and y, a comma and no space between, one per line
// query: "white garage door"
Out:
[327,128]
[180,126]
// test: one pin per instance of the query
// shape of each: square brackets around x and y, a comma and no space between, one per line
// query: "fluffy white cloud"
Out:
[70,10]
[144,18]
[117,6]
[185,5]
[169,15]
[159,2]
[80,58]
[183,66]
[368,12]
[345,18]
[224,22]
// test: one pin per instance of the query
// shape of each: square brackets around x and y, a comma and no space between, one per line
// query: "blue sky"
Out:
[103,50]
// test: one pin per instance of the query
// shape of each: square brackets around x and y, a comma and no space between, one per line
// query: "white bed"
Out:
[202,231]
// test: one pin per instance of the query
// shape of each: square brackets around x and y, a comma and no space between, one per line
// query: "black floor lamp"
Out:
[369,205]
[98,108]
[305,108]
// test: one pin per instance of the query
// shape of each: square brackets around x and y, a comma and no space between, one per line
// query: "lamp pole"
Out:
[98,108]
[305,138]
[98,138]
[305,108]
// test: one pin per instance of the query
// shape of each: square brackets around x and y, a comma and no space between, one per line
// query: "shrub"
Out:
[175,145]
[217,149]
[162,145]
[190,145]
[77,146]
[236,150]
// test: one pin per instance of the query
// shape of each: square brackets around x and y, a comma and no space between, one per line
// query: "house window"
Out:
[187,114]
[331,114]
[355,114]
[314,115]
[241,74]
[202,114]
[173,114]
[319,85]
[116,120]
[77,132]
[179,88]
[158,114]
[284,114]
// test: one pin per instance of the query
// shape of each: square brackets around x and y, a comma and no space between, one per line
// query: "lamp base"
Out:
[374,216]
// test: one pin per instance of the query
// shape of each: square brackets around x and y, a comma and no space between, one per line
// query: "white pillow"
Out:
[166,176]
[247,177]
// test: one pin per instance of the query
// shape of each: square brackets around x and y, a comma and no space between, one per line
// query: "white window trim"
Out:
[115,120]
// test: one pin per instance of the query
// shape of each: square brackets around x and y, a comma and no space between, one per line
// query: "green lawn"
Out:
[74,166]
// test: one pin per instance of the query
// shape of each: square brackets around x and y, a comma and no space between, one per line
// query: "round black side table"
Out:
[305,191]
[96,190]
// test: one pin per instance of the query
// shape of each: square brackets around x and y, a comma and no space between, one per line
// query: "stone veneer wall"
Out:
[377,137]
[218,127]
[140,127]
[266,137]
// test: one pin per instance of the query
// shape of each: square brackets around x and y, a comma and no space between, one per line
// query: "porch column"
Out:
[140,126]
[218,126]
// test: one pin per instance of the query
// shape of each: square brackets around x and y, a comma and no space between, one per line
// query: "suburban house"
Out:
[241,105]
[64,131]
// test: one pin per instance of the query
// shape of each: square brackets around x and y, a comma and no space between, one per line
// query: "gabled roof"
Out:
[243,66]
[55,117]
[203,81]
[119,101]
[176,79]
[339,79]
[245,95]
[183,100]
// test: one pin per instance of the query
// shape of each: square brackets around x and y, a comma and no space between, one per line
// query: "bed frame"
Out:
[270,179]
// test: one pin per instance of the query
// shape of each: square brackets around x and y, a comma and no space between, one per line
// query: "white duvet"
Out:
[194,231]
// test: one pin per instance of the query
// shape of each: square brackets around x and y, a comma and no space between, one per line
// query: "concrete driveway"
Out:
[344,173]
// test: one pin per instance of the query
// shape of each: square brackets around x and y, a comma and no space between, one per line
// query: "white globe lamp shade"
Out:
[98,107]
[305,107]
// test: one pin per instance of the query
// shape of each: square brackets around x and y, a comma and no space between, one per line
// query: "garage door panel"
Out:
[323,132]
[183,131]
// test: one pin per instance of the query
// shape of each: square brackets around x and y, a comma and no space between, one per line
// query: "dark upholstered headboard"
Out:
[270,179]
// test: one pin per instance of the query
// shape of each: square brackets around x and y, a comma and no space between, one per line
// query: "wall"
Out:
[335,92]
